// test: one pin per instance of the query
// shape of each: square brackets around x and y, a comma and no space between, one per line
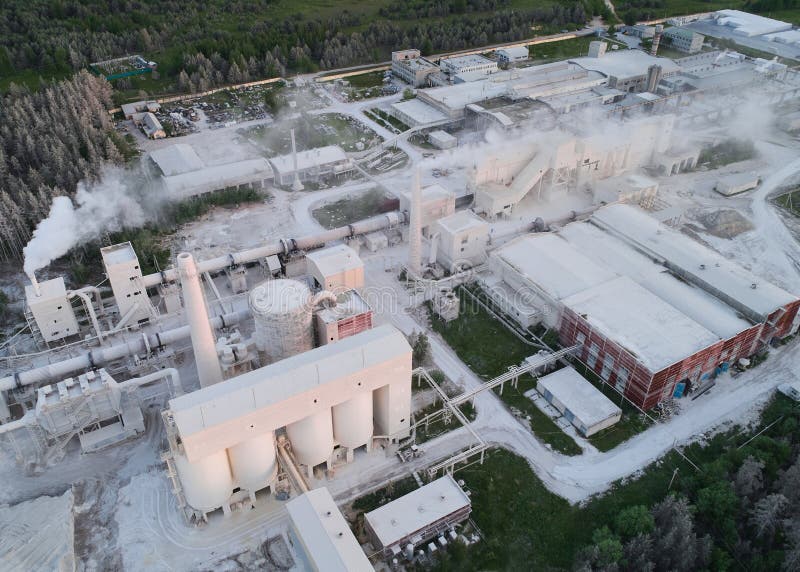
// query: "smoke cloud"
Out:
[111,205]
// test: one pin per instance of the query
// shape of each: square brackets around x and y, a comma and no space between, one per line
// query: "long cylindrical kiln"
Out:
[283,321]
[207,483]
[312,438]
[253,462]
[352,421]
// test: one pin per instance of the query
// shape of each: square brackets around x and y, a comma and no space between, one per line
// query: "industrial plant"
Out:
[297,387]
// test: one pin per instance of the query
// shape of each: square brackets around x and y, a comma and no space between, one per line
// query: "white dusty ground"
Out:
[124,514]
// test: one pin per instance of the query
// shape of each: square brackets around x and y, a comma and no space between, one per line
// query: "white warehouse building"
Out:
[579,401]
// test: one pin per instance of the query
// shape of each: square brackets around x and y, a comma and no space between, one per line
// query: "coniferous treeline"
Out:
[204,44]
[49,141]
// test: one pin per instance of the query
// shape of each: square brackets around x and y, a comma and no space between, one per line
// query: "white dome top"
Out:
[280,296]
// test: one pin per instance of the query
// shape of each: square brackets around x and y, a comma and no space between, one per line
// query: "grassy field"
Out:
[529,528]
[790,201]
[489,348]
[438,426]
[352,208]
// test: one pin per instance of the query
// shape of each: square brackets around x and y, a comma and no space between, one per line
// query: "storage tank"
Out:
[352,421]
[282,313]
[207,483]
[312,438]
[253,462]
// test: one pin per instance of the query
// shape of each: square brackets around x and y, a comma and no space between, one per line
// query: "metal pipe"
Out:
[282,246]
[90,308]
[25,421]
[170,372]
[100,356]
[203,342]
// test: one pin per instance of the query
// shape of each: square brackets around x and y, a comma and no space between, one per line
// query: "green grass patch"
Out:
[353,208]
[526,527]
[790,201]
[398,125]
[726,152]
[390,492]
[365,80]
[489,348]
[439,426]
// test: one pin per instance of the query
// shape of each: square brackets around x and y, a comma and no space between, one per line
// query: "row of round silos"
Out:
[209,482]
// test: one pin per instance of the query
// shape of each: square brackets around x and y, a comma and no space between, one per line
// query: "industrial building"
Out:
[641,31]
[442,139]
[684,40]
[736,183]
[474,63]
[512,54]
[327,541]
[435,202]
[50,309]
[125,276]
[746,24]
[351,315]
[152,127]
[561,163]
[406,524]
[336,396]
[312,165]
[653,312]
[184,174]
[336,268]
[459,241]
[412,68]
[580,402]
[629,70]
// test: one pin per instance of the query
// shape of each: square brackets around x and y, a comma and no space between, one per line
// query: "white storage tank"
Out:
[207,483]
[253,462]
[352,421]
[312,438]
[282,313]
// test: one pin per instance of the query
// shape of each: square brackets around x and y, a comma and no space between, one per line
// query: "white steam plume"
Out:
[110,205]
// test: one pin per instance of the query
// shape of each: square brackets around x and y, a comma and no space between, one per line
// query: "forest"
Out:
[214,42]
[50,140]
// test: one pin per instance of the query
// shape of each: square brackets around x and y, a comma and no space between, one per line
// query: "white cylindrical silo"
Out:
[312,438]
[207,483]
[282,313]
[203,344]
[253,462]
[352,421]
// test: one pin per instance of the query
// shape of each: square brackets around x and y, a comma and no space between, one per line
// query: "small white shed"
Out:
[579,401]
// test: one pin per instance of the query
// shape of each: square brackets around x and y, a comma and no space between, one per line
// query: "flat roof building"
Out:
[412,68]
[462,241]
[628,70]
[648,306]
[684,40]
[327,541]
[512,54]
[578,400]
[425,513]
[312,165]
[336,268]
[746,24]
[467,64]
[185,175]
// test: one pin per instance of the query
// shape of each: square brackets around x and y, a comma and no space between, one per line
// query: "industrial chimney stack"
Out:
[415,228]
[656,39]
[203,343]
[296,185]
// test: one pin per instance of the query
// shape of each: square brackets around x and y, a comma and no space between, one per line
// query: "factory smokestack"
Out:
[296,185]
[415,228]
[656,39]
[34,282]
[203,344]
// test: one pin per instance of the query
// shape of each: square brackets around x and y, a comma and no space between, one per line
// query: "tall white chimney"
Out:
[296,185]
[203,344]
[34,283]
[415,228]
